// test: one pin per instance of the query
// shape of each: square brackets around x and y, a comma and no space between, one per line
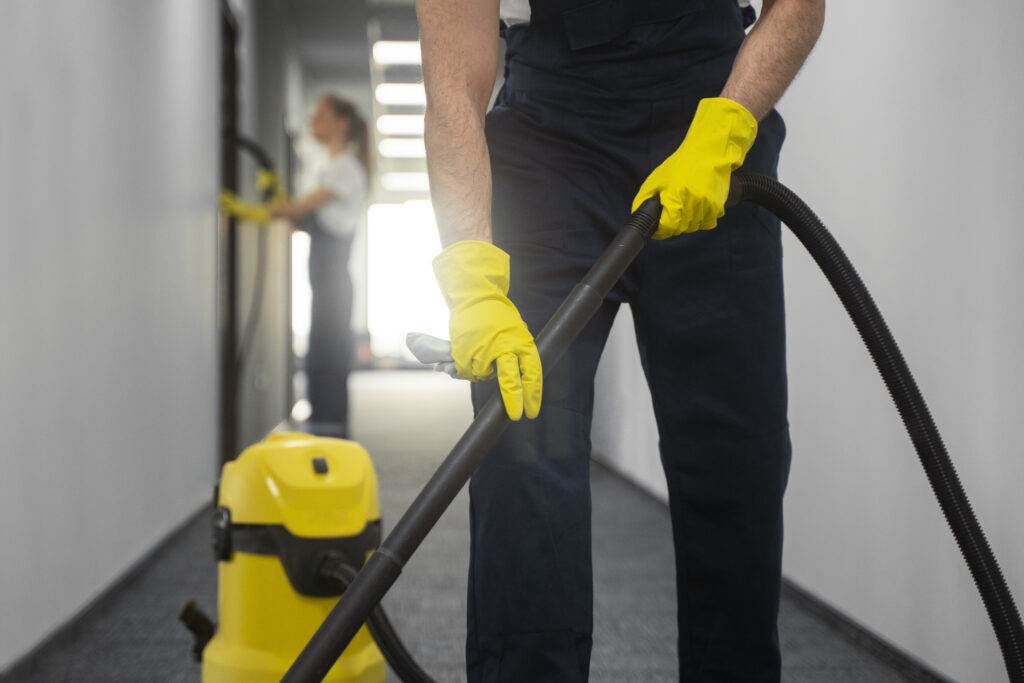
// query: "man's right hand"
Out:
[485,326]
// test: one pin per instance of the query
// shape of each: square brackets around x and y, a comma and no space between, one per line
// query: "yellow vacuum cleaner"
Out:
[287,508]
[295,517]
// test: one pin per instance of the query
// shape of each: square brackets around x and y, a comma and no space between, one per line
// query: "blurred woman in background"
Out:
[331,213]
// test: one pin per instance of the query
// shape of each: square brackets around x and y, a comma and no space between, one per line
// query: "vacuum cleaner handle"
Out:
[386,563]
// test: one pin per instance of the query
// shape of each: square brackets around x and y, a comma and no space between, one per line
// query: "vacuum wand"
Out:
[386,563]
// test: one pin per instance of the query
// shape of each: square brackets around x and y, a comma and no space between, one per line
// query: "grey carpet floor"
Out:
[407,421]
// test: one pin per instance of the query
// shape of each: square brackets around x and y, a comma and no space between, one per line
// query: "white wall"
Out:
[624,435]
[905,137]
[108,374]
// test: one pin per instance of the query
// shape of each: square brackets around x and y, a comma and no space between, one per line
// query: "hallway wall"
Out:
[108,367]
[904,136]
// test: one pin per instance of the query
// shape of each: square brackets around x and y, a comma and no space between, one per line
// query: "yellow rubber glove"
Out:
[247,211]
[693,183]
[485,326]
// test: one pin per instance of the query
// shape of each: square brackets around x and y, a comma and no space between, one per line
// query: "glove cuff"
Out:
[470,270]
[733,121]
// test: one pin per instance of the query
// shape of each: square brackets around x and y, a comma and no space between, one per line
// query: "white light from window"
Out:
[396,52]
[401,293]
[405,182]
[409,94]
[302,295]
[400,124]
[402,148]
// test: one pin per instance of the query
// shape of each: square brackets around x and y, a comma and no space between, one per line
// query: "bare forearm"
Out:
[460,172]
[460,51]
[773,53]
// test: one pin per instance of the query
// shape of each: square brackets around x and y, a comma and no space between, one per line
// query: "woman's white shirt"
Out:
[344,176]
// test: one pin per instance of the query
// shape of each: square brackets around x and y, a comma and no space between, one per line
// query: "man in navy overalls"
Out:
[598,96]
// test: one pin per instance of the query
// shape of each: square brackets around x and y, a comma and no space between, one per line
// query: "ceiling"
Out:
[331,37]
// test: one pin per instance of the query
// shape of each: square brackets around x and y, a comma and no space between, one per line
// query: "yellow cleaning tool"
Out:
[269,183]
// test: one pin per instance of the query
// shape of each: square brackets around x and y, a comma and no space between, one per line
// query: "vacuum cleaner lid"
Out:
[313,486]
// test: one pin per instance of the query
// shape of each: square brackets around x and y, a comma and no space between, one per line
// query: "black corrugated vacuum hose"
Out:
[391,646]
[780,200]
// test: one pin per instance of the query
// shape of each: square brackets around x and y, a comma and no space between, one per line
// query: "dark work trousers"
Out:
[568,152]
[329,358]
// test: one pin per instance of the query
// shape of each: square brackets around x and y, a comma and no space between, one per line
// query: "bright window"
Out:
[402,295]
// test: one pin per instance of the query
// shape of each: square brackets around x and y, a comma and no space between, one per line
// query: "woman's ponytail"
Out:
[358,130]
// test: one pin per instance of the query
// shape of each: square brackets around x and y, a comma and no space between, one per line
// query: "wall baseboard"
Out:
[23,666]
[902,662]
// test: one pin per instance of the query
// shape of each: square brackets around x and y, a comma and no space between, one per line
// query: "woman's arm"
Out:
[298,209]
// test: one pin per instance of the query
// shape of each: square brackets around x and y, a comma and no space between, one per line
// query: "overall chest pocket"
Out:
[626,24]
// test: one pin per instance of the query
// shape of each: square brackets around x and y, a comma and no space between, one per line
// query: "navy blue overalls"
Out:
[596,95]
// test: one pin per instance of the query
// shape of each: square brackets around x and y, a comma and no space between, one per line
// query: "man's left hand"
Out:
[693,183]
